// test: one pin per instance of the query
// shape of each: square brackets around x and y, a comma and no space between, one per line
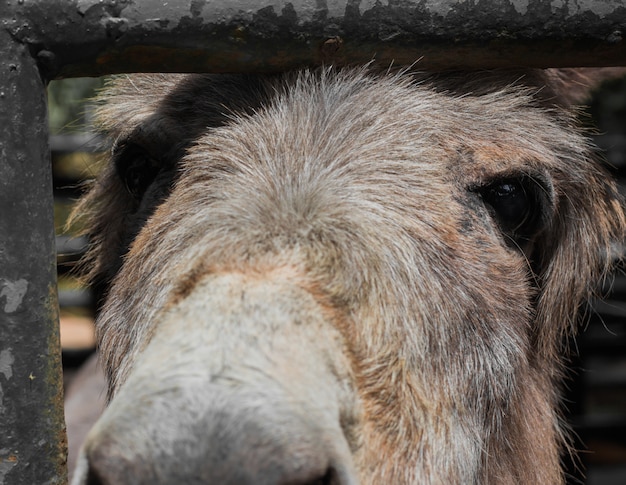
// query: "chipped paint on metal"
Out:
[7,461]
[6,369]
[13,292]
[441,9]
[602,9]
[95,37]
[521,6]
[556,5]
[6,363]
[83,6]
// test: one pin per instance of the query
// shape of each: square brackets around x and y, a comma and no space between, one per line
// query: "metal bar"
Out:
[95,37]
[77,142]
[32,430]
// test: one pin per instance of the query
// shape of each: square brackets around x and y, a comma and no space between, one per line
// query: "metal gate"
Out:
[41,40]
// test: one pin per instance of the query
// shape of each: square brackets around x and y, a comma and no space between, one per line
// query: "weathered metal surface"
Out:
[32,437]
[94,37]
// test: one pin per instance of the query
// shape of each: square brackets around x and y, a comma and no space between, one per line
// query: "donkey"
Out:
[341,276]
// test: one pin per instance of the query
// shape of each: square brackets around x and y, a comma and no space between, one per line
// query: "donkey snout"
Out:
[235,446]
[219,396]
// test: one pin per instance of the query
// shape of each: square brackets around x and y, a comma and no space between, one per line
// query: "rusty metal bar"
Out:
[95,37]
[32,436]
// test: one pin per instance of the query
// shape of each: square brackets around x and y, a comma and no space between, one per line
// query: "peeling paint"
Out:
[602,9]
[96,37]
[6,363]
[521,6]
[84,5]
[14,292]
[575,7]
[441,8]
[7,462]
[556,5]
[6,369]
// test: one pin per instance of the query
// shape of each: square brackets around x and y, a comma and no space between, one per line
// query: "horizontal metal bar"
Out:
[75,298]
[77,142]
[94,37]
[608,427]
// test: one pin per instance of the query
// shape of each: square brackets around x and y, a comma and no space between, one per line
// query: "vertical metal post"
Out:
[32,435]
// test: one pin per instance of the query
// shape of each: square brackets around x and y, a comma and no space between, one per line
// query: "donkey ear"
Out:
[571,87]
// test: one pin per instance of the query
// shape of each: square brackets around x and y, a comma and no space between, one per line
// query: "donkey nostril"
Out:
[331,477]
[93,478]
[328,479]
[105,466]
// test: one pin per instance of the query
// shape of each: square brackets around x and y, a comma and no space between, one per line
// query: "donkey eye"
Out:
[518,205]
[136,169]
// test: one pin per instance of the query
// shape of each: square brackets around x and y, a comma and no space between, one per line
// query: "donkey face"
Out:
[339,277]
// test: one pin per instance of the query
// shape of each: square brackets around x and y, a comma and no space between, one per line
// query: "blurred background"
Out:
[75,160]
[596,396]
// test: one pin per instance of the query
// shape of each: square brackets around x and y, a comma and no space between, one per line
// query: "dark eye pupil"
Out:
[136,169]
[517,205]
[511,204]
[139,176]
